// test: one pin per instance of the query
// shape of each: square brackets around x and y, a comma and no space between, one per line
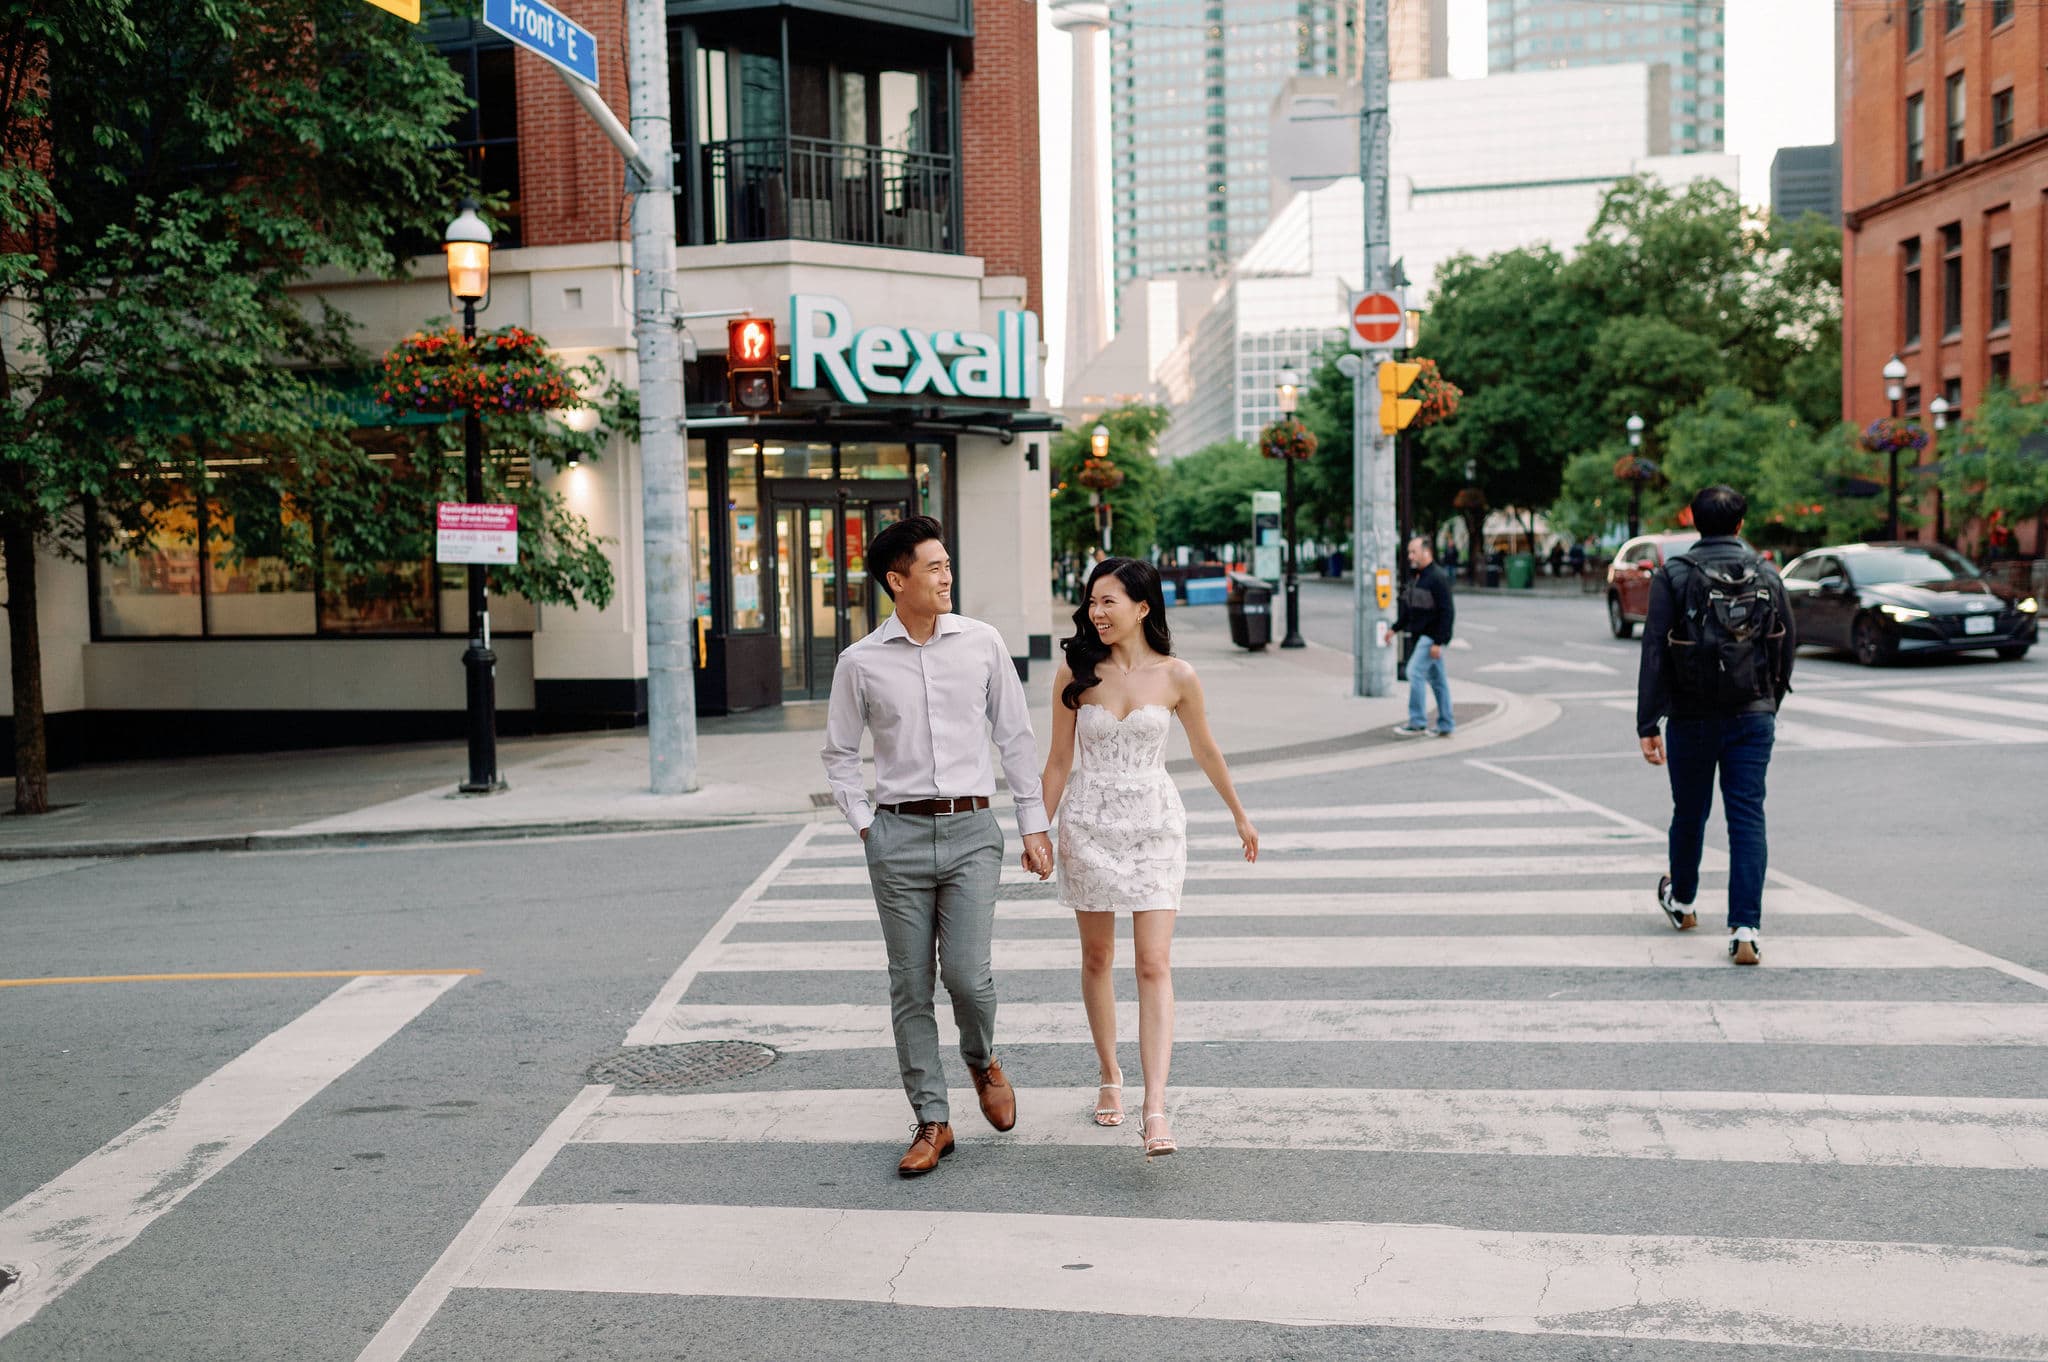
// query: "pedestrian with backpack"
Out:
[1716,663]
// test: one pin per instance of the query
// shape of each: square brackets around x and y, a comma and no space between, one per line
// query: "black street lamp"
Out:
[1098,446]
[1635,496]
[467,243]
[1894,390]
[1290,399]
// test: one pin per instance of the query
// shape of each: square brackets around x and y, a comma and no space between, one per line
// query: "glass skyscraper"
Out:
[1547,35]
[1192,84]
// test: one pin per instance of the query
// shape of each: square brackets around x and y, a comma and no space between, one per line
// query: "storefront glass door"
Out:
[825,597]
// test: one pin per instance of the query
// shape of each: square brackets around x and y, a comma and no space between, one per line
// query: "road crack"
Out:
[905,1264]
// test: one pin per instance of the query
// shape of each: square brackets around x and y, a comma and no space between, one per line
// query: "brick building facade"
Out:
[1945,204]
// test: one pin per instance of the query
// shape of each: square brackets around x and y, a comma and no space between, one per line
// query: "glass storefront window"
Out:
[378,598]
[152,591]
[931,481]
[509,614]
[874,461]
[746,535]
[251,586]
[700,528]
[797,459]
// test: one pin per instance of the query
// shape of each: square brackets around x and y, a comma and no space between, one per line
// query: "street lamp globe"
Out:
[1635,431]
[1939,410]
[1098,442]
[468,245]
[1290,391]
[1894,379]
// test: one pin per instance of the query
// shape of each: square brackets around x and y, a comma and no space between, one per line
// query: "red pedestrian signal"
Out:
[753,371]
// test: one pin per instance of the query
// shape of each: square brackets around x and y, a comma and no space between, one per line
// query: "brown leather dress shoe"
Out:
[998,1098]
[932,1142]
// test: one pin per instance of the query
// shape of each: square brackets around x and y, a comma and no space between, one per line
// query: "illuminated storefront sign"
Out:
[900,361]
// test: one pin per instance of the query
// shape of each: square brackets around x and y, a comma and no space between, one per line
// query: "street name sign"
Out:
[469,533]
[546,32]
[1377,320]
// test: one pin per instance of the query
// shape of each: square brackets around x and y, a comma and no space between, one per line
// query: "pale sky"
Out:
[1781,92]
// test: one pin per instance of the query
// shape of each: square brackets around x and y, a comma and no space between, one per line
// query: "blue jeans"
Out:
[1426,673]
[1739,747]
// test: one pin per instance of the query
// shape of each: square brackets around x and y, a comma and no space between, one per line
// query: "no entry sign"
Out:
[467,533]
[1377,320]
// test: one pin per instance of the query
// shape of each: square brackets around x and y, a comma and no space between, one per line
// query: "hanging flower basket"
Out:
[1885,435]
[1101,475]
[1288,439]
[1469,499]
[506,370]
[1438,395]
[1636,468]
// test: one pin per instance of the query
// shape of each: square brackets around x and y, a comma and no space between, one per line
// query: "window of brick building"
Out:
[1953,19]
[1952,393]
[2001,369]
[1916,25]
[2001,11]
[1910,406]
[1958,110]
[1916,137]
[1909,291]
[2001,117]
[1952,279]
[2001,287]
[486,132]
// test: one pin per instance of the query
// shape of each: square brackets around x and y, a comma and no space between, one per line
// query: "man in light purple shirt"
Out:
[932,687]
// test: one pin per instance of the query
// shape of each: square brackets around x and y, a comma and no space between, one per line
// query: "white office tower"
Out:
[1087,327]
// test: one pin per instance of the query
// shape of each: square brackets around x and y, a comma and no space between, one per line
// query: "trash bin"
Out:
[1521,571]
[1493,572]
[1250,608]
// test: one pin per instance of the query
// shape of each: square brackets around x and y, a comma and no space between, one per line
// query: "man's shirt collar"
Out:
[892,628]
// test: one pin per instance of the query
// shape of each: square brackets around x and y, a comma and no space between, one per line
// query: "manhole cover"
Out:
[660,1067]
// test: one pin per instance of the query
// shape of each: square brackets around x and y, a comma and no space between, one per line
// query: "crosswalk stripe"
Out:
[1345,813]
[1971,704]
[1849,1130]
[1920,720]
[1634,903]
[1918,1298]
[62,1230]
[2025,687]
[862,1026]
[1793,734]
[1384,868]
[1367,839]
[1654,949]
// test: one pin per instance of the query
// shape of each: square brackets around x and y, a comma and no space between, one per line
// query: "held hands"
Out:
[1038,855]
[1249,835]
[1653,750]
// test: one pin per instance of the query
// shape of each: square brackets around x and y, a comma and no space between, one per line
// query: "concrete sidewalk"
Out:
[1275,713]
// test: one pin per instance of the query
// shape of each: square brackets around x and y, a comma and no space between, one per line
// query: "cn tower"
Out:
[1086,332]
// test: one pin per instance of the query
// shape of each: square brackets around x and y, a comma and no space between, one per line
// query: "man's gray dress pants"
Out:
[935,881]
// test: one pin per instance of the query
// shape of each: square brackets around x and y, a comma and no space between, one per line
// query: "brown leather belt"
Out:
[931,807]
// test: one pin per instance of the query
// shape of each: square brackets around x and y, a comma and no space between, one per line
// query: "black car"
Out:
[1881,601]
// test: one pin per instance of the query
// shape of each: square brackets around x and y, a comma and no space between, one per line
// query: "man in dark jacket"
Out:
[1727,728]
[1426,614]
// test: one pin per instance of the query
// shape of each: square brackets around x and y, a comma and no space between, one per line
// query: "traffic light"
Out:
[1397,411]
[753,374]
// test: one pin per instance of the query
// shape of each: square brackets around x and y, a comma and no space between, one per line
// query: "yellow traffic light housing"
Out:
[1396,411]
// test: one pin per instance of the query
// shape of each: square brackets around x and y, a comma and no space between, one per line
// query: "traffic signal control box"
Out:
[753,372]
[1397,411]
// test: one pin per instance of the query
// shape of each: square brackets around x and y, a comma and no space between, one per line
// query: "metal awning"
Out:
[933,418]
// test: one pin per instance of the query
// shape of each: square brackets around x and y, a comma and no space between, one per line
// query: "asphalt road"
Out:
[1446,1083]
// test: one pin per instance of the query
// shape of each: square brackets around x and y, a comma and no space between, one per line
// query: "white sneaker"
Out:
[1743,946]
[1410,731]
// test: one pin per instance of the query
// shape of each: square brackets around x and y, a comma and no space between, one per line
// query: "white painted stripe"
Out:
[679,982]
[1370,839]
[1383,868]
[1919,720]
[97,1207]
[860,1026]
[1653,949]
[1547,903]
[424,1301]
[2026,688]
[1848,1130]
[1343,813]
[1917,1298]
[1970,704]
[1794,734]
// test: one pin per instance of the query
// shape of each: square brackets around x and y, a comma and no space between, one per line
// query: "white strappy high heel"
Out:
[1114,1115]
[1155,1145]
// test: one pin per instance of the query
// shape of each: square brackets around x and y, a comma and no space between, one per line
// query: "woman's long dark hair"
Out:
[1085,649]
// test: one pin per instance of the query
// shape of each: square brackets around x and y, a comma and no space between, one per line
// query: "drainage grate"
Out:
[656,1068]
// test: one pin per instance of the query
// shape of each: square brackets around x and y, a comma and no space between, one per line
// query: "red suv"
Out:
[1628,577]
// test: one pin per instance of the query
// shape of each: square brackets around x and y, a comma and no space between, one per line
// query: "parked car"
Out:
[1628,577]
[1881,601]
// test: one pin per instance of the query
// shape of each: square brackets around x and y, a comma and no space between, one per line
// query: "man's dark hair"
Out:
[1719,510]
[895,548]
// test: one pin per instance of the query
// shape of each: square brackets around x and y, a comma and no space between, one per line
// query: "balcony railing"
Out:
[779,188]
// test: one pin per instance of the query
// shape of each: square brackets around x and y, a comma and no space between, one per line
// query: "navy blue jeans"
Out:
[1739,748]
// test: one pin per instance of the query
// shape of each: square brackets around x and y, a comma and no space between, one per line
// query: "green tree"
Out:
[1323,482]
[1206,501]
[1821,490]
[168,176]
[1133,438]
[2000,463]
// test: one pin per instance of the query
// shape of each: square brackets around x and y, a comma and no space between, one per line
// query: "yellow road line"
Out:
[253,974]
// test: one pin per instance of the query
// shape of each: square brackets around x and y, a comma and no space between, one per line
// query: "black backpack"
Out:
[1731,623]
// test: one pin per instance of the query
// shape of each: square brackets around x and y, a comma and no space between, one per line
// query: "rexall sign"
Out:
[902,361]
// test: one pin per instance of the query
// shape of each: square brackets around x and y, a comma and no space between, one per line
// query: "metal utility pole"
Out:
[664,443]
[1373,549]
[479,663]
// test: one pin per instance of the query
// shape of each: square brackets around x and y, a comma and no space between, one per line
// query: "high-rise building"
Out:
[1807,180]
[1687,36]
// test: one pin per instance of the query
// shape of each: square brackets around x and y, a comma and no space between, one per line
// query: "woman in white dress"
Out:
[1122,833]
